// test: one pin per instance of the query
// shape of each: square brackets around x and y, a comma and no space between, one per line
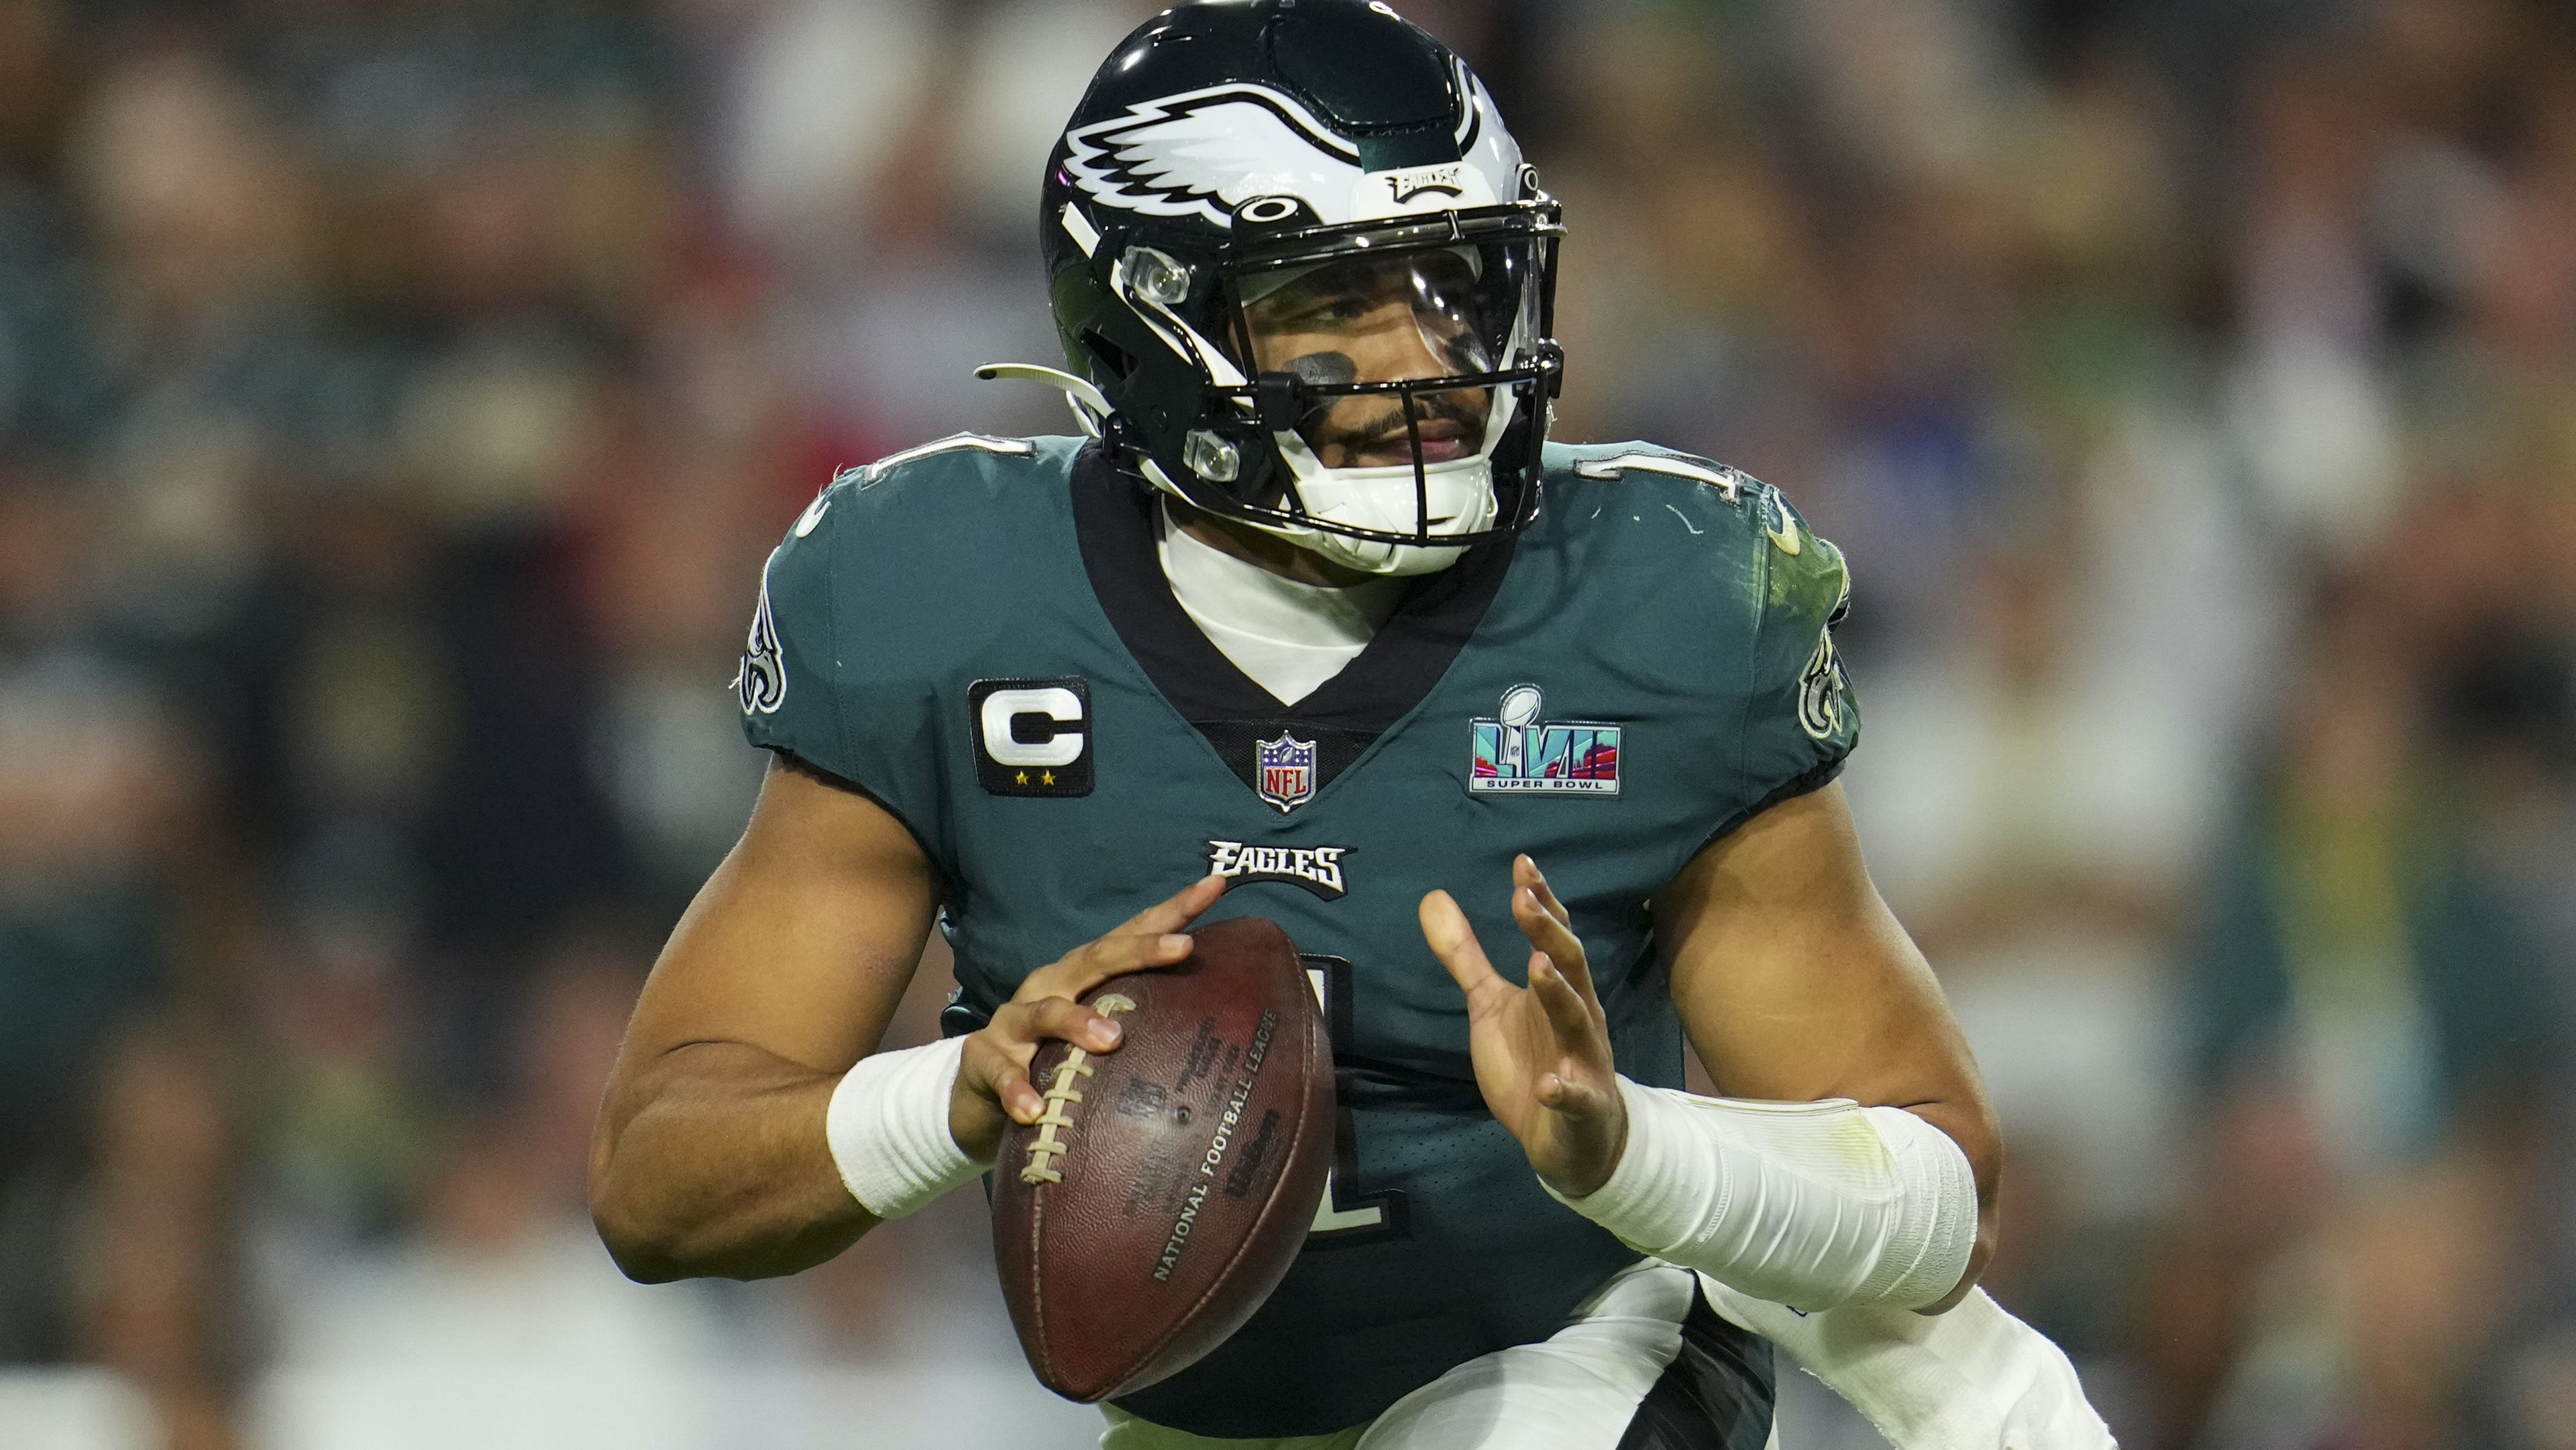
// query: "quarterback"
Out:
[1311,619]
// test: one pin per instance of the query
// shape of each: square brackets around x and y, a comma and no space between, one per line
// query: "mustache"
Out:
[1459,406]
[1465,407]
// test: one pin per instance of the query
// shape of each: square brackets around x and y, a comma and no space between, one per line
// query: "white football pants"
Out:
[1576,1390]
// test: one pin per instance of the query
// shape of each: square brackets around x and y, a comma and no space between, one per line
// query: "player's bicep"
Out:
[802,942]
[1796,983]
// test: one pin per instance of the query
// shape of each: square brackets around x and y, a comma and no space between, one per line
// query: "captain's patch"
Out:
[1032,737]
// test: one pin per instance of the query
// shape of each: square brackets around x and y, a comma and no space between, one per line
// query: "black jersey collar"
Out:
[1117,524]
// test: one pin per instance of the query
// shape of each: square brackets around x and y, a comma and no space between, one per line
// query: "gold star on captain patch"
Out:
[1024,777]
[1048,778]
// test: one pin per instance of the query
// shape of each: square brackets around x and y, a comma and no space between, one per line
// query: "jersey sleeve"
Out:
[841,698]
[1801,717]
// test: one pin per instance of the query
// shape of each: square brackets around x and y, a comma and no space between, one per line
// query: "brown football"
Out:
[1170,1183]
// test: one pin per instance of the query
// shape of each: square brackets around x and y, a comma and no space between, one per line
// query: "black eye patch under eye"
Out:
[1325,369]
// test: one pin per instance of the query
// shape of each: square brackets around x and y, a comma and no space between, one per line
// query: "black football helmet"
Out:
[1305,280]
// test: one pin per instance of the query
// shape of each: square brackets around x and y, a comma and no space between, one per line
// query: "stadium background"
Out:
[398,396]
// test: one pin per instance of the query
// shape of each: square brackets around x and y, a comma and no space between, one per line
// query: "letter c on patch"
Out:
[1008,715]
[1032,737]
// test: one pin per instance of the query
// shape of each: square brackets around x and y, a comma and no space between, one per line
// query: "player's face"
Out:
[1380,319]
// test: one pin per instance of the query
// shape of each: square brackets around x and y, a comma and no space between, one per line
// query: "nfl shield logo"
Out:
[1287,770]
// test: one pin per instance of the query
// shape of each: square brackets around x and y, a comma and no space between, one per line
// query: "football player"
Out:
[1314,610]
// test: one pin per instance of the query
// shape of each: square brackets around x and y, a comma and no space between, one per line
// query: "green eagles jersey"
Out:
[979,636]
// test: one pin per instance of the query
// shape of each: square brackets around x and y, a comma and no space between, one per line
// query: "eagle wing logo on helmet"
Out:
[1204,153]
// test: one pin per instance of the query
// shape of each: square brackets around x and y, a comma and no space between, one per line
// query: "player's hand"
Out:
[1542,1053]
[993,1079]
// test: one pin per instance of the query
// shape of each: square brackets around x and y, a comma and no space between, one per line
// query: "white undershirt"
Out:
[1288,637]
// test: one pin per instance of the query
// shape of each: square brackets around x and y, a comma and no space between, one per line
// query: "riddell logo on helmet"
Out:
[1403,186]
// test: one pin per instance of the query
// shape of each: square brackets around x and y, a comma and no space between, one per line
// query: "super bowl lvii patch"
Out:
[1518,753]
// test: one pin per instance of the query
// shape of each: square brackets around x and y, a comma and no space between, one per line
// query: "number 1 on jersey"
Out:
[1345,1215]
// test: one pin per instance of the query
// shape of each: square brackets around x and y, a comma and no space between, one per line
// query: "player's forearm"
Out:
[714,1163]
[1815,1204]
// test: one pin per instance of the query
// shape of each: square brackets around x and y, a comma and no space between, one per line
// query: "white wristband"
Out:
[1812,1204]
[888,1128]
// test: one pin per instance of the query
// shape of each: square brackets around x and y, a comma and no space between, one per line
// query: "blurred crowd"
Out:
[398,396]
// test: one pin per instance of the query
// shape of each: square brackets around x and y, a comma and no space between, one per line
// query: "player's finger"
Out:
[990,1072]
[1113,956]
[1552,936]
[1094,962]
[1013,1031]
[1525,871]
[1543,929]
[1176,911]
[1577,1031]
[1561,1094]
[1454,942]
[1578,963]
[1063,1019]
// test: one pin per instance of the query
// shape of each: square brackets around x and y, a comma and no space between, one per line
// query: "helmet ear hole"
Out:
[1116,361]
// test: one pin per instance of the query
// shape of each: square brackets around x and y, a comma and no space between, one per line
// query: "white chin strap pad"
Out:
[1460,495]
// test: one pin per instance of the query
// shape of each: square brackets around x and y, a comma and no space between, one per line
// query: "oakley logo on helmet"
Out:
[1269,211]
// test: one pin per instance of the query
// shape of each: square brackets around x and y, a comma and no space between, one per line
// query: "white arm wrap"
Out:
[1974,1378]
[1812,1204]
[888,1127]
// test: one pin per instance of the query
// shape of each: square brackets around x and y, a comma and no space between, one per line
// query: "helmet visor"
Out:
[1408,316]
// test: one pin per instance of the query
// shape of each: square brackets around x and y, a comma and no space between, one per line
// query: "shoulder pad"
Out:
[1761,511]
[1623,459]
[958,458]
[870,475]
[1693,486]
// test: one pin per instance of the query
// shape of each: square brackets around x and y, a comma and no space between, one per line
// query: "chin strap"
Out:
[1092,409]
[1090,406]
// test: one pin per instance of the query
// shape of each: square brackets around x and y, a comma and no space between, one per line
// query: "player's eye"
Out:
[1338,309]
